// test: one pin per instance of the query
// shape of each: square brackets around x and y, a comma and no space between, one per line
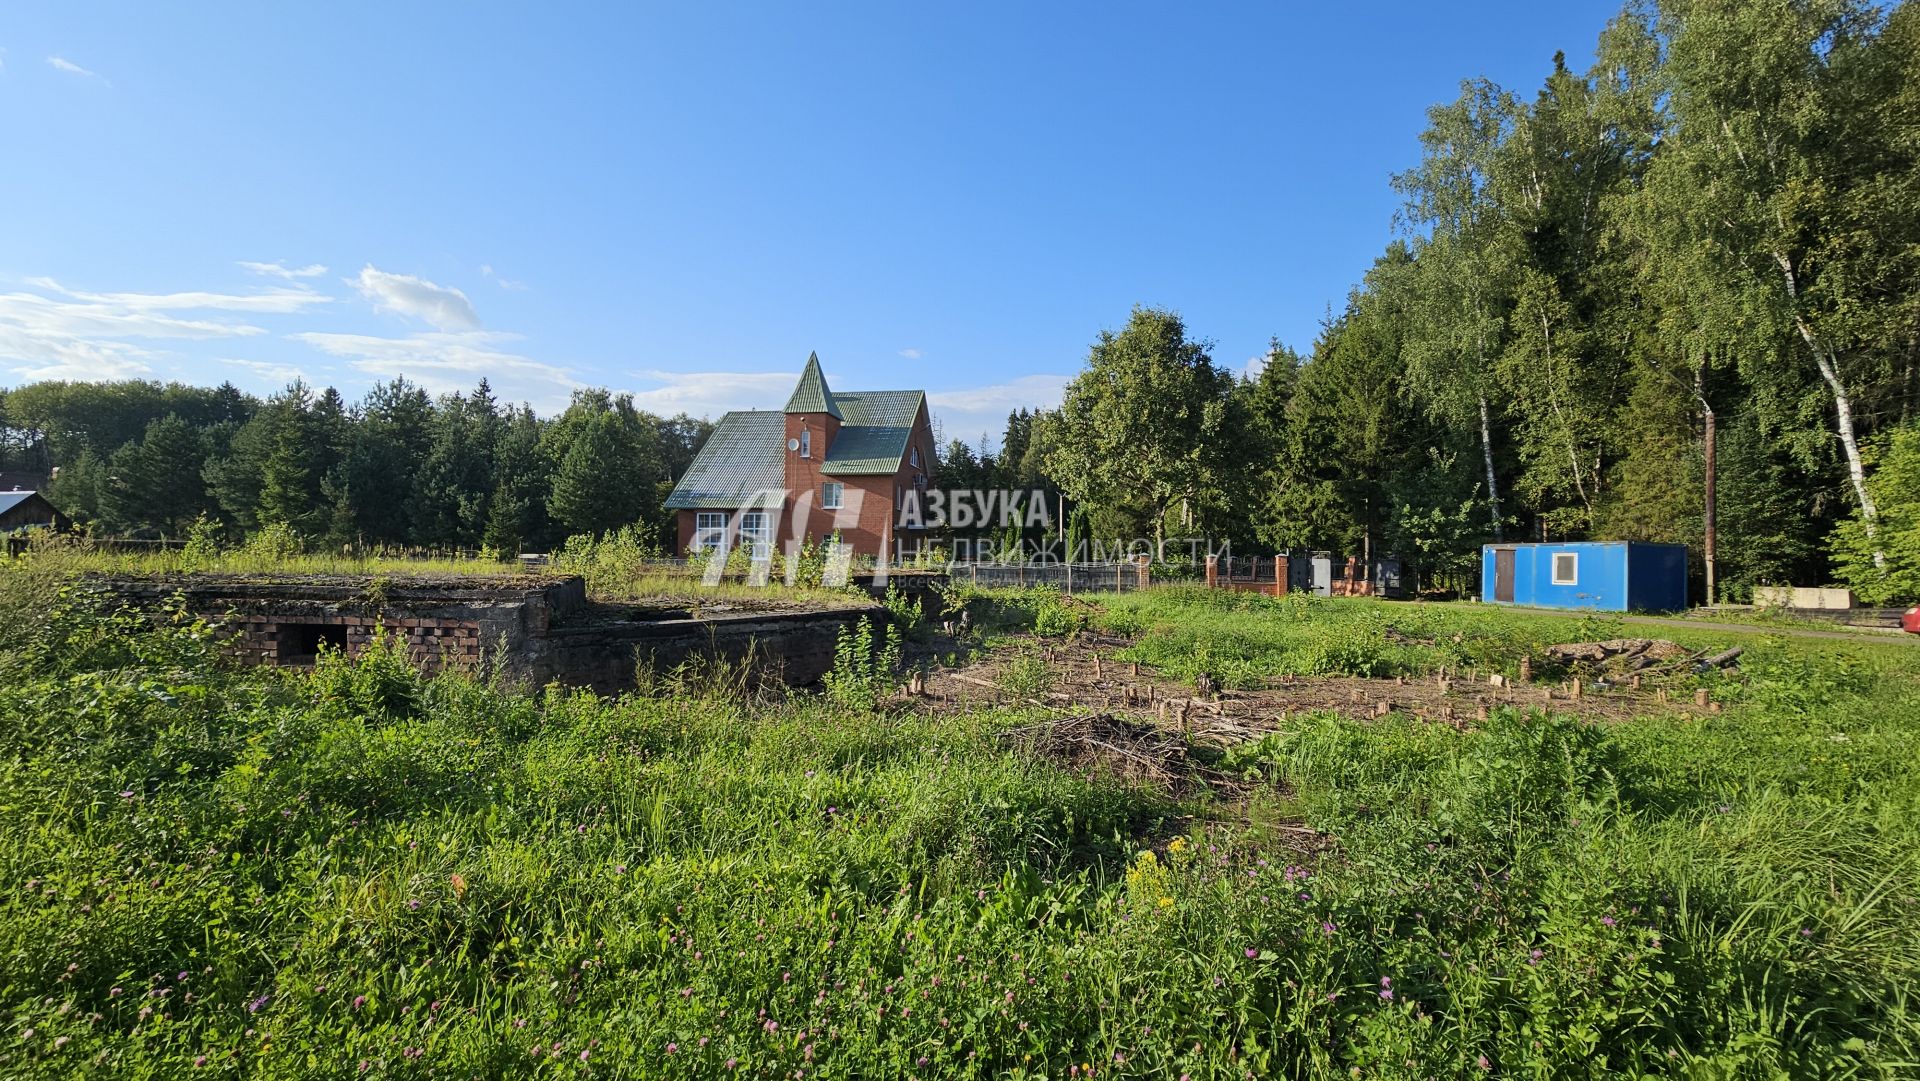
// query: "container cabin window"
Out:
[832,495]
[1566,568]
[709,530]
[806,443]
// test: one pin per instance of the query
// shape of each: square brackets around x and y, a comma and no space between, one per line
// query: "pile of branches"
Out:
[1104,741]
[1652,655]
[1632,654]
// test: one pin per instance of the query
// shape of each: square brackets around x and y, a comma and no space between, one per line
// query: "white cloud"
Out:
[61,63]
[709,394]
[444,361]
[967,412]
[277,269]
[910,354]
[964,413]
[442,306]
[487,271]
[77,335]
[278,301]
[279,374]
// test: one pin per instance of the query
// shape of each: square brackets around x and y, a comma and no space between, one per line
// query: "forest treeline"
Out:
[398,469]
[1713,230]
[1717,224]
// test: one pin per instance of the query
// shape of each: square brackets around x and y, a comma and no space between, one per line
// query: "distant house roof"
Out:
[744,455]
[875,427]
[18,509]
[811,394]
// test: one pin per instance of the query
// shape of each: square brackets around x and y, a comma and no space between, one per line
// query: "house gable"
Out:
[827,462]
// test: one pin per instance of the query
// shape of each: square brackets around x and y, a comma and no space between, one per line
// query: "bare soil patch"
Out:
[1083,675]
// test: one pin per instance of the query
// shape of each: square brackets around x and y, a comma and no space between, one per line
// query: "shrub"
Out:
[863,671]
[1057,616]
[1027,676]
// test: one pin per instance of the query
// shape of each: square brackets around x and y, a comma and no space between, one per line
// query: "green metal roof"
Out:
[875,426]
[742,460]
[811,395]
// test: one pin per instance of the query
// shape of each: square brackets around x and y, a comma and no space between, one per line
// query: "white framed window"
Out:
[832,495]
[756,529]
[806,443]
[709,530]
[1566,568]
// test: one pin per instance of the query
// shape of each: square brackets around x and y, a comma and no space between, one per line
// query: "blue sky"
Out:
[683,201]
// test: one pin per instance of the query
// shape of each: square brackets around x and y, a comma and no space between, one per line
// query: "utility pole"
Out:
[1710,543]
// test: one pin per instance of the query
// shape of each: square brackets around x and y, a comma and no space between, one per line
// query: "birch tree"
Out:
[1770,171]
[1461,287]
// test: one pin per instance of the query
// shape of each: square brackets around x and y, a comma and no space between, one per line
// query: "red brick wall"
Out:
[867,510]
[430,642]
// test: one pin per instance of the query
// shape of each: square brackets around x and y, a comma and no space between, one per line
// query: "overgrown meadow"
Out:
[214,871]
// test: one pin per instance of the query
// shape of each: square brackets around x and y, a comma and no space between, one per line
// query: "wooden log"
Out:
[1526,669]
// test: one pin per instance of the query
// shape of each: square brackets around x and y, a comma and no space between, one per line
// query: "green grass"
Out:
[1247,639]
[287,875]
[615,569]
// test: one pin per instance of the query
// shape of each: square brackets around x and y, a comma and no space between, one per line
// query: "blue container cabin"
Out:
[1612,576]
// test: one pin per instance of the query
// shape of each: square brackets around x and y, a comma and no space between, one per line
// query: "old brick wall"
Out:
[528,630]
[793,647]
[431,643]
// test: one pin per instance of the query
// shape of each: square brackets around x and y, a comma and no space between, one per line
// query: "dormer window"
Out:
[806,443]
[913,457]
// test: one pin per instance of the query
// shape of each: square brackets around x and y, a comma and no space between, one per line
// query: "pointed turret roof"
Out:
[811,394]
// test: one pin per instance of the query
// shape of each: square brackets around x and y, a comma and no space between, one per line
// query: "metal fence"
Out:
[1116,577]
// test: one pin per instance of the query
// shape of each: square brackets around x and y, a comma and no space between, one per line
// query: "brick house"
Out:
[826,462]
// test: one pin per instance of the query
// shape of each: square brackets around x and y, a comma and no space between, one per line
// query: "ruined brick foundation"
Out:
[532,630]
